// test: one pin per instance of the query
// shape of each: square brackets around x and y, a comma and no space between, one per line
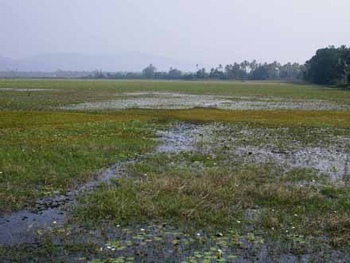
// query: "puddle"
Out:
[25,90]
[168,100]
[47,212]
[22,227]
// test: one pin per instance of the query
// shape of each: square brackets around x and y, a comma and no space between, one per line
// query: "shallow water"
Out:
[48,212]
[180,138]
[326,161]
[25,90]
[167,100]
[52,212]
[332,160]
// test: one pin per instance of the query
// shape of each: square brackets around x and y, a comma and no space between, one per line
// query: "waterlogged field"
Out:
[141,171]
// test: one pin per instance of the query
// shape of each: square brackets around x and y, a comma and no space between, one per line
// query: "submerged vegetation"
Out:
[192,185]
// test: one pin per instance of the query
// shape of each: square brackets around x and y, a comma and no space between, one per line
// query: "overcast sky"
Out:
[203,31]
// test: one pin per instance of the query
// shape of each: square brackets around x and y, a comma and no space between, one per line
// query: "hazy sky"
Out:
[205,31]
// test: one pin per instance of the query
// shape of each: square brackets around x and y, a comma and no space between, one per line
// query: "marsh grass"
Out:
[43,154]
[217,198]
[285,210]
[211,187]
[242,205]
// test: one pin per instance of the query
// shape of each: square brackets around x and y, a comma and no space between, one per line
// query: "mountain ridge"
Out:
[127,61]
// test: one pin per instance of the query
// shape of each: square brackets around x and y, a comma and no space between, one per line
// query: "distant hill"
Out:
[130,61]
[6,64]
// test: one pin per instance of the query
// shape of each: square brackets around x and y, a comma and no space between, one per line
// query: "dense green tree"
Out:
[290,71]
[329,66]
[261,72]
[98,74]
[174,73]
[201,74]
[149,71]
[236,71]
[345,64]
[217,73]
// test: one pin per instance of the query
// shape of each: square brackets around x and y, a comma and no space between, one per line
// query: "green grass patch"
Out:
[218,198]
[278,118]
[46,153]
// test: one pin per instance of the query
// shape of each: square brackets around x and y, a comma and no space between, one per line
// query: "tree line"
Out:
[236,71]
[329,65]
